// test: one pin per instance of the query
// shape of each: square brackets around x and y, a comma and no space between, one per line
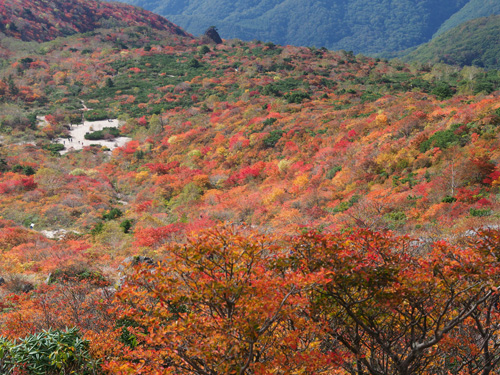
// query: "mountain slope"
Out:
[46,20]
[368,26]
[476,42]
[472,10]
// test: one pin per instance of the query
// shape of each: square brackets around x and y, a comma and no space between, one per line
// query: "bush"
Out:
[443,139]
[297,97]
[48,352]
[193,63]
[449,199]
[126,225]
[333,171]
[480,212]
[442,91]
[105,133]
[273,138]
[54,147]
[112,214]
[24,169]
[96,115]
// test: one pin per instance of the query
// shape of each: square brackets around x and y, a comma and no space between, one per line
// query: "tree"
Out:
[216,306]
[389,307]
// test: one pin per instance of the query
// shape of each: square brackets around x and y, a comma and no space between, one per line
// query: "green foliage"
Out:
[46,353]
[97,229]
[126,225]
[273,138]
[194,63]
[449,199]
[24,169]
[105,133]
[395,219]
[333,171]
[75,273]
[474,43]
[367,26]
[54,147]
[444,139]
[442,91]
[203,50]
[297,97]
[96,115]
[112,214]
[472,10]
[480,212]
[345,205]
[270,121]
[5,357]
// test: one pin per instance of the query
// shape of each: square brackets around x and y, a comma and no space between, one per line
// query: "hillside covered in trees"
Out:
[46,20]
[362,26]
[474,43]
[472,10]
[278,209]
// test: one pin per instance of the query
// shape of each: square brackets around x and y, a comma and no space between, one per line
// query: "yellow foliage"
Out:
[273,196]
[283,165]
[173,140]
[141,177]
[301,181]
[221,151]
[381,120]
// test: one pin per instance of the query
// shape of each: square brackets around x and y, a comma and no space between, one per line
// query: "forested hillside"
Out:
[474,43]
[472,10]
[46,20]
[275,209]
[372,26]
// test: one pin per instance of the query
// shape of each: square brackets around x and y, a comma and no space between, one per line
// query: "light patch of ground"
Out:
[54,234]
[78,141]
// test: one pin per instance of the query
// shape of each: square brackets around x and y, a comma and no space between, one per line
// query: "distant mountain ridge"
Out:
[472,10]
[45,20]
[473,43]
[366,26]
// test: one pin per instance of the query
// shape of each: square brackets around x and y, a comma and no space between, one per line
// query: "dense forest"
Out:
[362,26]
[472,10]
[474,43]
[275,209]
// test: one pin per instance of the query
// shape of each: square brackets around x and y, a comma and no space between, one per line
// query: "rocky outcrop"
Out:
[213,35]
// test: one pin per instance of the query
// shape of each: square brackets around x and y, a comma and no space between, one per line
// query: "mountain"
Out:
[475,43]
[272,209]
[472,10]
[49,19]
[367,26]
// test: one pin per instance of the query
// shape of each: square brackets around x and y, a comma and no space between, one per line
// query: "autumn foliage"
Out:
[279,210]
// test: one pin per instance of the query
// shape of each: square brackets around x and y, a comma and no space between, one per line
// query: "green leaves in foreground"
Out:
[48,352]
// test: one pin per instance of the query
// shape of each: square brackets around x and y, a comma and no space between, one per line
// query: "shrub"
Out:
[273,138]
[54,147]
[480,212]
[105,133]
[297,97]
[96,115]
[443,139]
[333,171]
[112,214]
[49,352]
[24,169]
[449,199]
[442,91]
[126,225]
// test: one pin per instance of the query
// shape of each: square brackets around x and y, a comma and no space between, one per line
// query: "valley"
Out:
[240,208]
